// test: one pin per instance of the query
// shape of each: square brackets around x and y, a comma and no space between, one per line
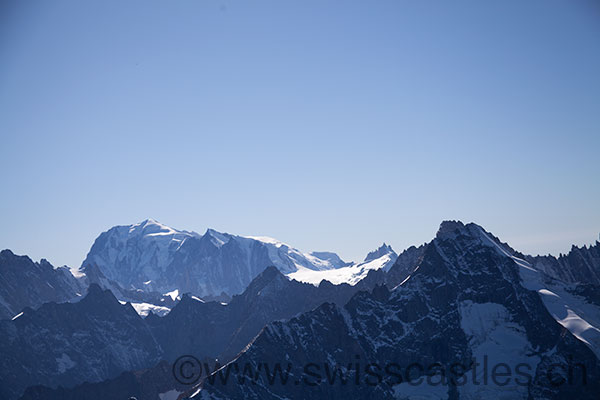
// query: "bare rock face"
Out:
[24,283]
[99,338]
[580,266]
[70,343]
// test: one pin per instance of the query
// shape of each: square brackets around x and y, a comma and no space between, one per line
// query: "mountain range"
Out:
[468,300]
[147,294]
[99,338]
[150,256]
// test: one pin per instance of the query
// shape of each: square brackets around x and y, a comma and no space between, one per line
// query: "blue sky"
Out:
[330,125]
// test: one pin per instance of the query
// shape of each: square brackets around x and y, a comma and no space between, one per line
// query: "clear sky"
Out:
[330,125]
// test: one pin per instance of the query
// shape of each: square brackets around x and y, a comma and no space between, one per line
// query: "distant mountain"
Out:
[581,265]
[463,296]
[381,251]
[468,300]
[150,256]
[24,283]
[332,258]
[70,343]
[382,258]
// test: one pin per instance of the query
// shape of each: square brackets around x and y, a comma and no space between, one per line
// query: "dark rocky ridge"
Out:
[581,265]
[221,331]
[24,283]
[69,343]
[102,338]
[422,321]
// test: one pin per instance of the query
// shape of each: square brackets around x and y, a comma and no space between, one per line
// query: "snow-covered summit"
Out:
[383,258]
[151,256]
[217,238]
[283,254]
[332,257]
[380,252]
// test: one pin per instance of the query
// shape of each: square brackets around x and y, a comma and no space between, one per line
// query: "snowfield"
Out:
[351,274]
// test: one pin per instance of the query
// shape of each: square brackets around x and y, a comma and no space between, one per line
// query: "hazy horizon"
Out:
[374,247]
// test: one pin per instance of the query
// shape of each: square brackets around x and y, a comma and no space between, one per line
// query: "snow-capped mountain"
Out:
[383,250]
[468,302]
[150,256]
[24,283]
[462,297]
[333,258]
[382,258]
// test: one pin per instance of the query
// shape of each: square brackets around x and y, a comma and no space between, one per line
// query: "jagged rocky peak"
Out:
[99,297]
[6,252]
[7,256]
[270,276]
[451,229]
[104,302]
[381,251]
[95,290]
[466,235]
[581,265]
[26,283]
[271,272]
[270,280]
[457,231]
